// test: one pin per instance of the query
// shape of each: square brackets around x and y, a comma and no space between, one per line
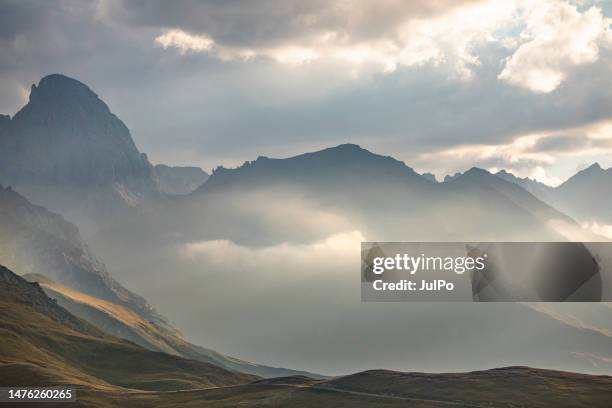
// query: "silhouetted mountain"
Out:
[584,196]
[587,194]
[67,151]
[66,135]
[482,183]
[391,200]
[179,180]
[43,344]
[540,190]
[429,176]
[448,178]
[333,168]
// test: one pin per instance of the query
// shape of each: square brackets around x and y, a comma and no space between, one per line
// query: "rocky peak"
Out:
[66,135]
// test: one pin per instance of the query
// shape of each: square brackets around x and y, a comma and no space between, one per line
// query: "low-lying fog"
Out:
[276,281]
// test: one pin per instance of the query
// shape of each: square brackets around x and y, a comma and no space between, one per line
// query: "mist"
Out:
[271,275]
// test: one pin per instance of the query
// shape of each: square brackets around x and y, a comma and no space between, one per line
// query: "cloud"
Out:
[529,155]
[332,251]
[184,41]
[448,37]
[603,230]
[225,83]
[557,38]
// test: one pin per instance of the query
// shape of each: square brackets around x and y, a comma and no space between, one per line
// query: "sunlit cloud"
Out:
[185,42]
[557,38]
[448,38]
[337,249]
[600,229]
[530,155]
[548,39]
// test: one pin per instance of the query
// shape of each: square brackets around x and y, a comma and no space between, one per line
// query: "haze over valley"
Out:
[220,260]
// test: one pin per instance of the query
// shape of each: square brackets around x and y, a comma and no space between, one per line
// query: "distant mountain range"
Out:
[390,200]
[68,154]
[67,151]
[584,196]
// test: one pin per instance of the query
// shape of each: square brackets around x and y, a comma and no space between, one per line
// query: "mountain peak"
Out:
[594,167]
[345,163]
[474,172]
[347,147]
[58,85]
[66,135]
[342,150]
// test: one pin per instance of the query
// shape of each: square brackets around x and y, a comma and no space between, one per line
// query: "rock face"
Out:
[66,135]
[179,180]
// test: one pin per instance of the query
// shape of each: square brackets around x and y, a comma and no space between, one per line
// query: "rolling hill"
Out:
[43,344]
[124,323]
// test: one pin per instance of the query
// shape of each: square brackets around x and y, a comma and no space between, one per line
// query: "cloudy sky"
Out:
[443,85]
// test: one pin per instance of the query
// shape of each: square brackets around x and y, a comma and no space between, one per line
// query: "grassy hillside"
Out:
[42,343]
[510,387]
[123,322]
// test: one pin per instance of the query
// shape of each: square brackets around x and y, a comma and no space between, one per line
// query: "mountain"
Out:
[502,194]
[33,239]
[43,344]
[390,200]
[67,151]
[179,180]
[66,135]
[124,323]
[584,196]
[430,176]
[267,210]
[540,190]
[587,194]
[450,177]
[37,242]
